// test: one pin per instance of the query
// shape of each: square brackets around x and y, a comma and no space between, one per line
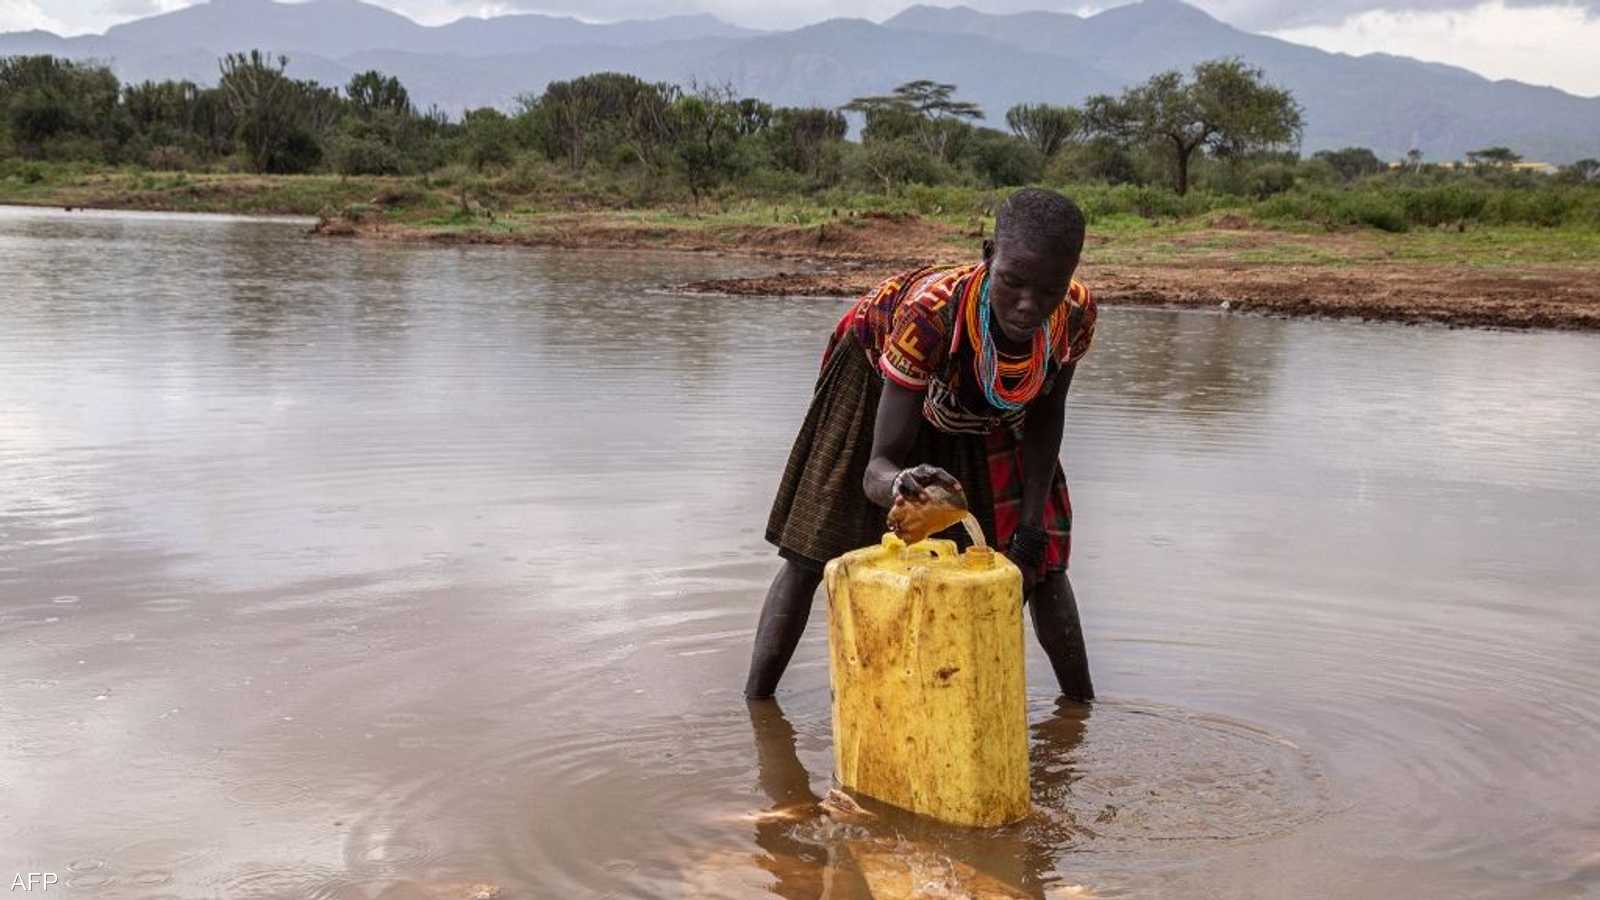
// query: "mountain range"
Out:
[1388,103]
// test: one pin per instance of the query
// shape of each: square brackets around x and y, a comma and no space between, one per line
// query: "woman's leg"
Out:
[1055,624]
[783,620]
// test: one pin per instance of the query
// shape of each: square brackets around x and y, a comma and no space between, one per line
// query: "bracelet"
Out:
[1028,545]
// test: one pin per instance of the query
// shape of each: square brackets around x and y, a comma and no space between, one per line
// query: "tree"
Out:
[1584,171]
[753,117]
[1001,159]
[46,100]
[1045,127]
[927,109]
[708,127]
[316,109]
[1493,157]
[1351,162]
[1226,107]
[799,136]
[604,109]
[372,92]
[897,162]
[488,137]
[212,122]
[262,100]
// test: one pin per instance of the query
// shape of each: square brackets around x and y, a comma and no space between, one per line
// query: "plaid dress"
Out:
[918,330]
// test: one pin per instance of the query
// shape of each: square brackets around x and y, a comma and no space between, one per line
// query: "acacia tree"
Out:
[1048,128]
[1226,107]
[928,108]
[1493,157]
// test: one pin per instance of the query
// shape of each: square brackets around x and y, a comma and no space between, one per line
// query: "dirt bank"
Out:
[1548,298]
[1343,275]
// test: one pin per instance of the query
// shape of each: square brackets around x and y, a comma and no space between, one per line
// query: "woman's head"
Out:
[1038,237]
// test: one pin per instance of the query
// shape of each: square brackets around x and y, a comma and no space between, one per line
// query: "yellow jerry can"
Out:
[925,657]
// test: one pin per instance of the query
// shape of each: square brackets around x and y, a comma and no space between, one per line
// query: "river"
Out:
[350,569]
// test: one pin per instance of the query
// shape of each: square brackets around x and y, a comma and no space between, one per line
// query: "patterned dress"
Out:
[919,330]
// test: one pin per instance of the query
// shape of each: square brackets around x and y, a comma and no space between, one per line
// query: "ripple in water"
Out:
[727,802]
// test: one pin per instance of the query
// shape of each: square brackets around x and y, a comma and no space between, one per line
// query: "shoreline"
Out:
[1225,263]
[837,265]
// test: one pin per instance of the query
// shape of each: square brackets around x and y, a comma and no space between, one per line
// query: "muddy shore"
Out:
[1213,269]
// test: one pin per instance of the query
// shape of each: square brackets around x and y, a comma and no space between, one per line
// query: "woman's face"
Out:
[1025,287]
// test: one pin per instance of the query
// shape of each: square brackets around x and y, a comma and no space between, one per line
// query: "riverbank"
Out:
[1490,276]
[1504,278]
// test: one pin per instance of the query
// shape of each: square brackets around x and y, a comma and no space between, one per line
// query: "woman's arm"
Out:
[1041,447]
[893,435]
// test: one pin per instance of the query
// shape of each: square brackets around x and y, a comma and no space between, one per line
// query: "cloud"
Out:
[1263,15]
[131,9]
[1552,45]
[25,15]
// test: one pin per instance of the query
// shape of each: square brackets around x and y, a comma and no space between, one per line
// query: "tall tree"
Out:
[262,100]
[1226,107]
[708,123]
[1048,128]
[929,107]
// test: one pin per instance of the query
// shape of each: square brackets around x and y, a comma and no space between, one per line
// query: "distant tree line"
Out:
[1222,126]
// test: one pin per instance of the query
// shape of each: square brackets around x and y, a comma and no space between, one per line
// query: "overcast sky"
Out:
[1541,43]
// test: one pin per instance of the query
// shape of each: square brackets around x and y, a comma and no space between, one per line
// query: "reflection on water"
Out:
[348,570]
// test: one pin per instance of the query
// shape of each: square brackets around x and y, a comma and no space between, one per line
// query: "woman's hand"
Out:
[920,484]
[1027,550]
[927,499]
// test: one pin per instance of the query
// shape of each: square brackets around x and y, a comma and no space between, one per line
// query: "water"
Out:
[974,530]
[310,586]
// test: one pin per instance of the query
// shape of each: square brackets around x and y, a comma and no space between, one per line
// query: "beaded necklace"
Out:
[1027,375]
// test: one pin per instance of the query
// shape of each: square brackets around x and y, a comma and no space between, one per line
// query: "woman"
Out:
[959,376]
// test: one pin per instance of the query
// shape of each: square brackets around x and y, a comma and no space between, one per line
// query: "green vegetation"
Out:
[1227,108]
[1218,141]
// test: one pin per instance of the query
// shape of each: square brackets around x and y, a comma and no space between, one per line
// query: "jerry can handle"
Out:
[939,548]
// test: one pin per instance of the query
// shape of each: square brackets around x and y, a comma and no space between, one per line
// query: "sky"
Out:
[1536,41]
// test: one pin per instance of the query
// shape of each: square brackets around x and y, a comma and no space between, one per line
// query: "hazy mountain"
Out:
[826,65]
[1388,103]
[335,28]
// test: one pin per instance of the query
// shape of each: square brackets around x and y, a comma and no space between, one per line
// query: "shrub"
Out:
[365,156]
[169,159]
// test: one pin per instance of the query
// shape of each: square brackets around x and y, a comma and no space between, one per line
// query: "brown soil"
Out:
[847,256]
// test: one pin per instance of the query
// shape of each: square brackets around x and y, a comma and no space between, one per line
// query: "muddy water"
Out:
[311,586]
